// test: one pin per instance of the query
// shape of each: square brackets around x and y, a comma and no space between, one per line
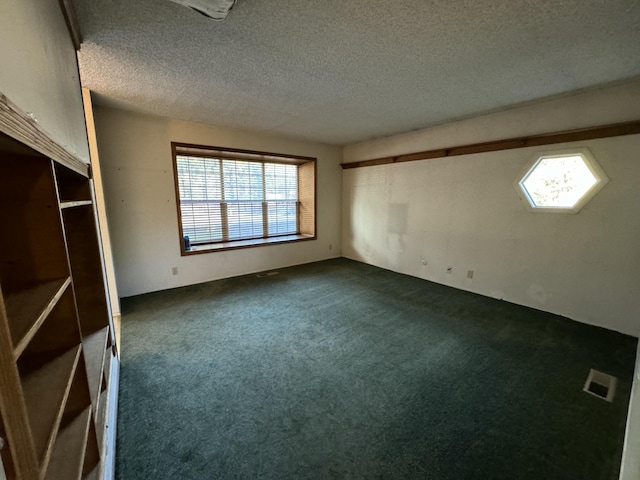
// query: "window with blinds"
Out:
[233,198]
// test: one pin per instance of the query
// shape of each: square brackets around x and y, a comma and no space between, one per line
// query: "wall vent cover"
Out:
[600,385]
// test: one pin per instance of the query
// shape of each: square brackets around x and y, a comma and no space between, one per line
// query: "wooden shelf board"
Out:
[46,391]
[74,203]
[68,453]
[28,308]
[94,346]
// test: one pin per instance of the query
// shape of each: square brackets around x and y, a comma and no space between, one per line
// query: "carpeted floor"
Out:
[340,370]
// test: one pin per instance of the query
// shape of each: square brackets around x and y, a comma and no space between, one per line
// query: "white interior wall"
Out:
[139,189]
[464,212]
[39,70]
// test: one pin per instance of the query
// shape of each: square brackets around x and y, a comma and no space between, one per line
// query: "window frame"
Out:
[589,161]
[224,153]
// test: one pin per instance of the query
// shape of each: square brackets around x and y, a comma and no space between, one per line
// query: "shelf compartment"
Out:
[71,185]
[46,391]
[28,308]
[86,268]
[67,459]
[32,250]
[94,346]
[58,332]
[79,397]
[68,454]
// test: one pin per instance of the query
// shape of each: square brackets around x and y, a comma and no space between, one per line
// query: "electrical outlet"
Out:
[331,246]
[469,273]
[174,271]
[449,270]
[424,262]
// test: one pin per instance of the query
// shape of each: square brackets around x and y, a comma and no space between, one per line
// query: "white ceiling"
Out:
[343,71]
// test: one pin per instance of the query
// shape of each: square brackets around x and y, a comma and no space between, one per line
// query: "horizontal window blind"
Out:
[226,199]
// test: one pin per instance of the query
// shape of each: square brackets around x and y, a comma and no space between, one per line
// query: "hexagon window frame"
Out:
[589,161]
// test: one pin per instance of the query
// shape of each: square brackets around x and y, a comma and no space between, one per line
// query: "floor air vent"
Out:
[267,274]
[600,385]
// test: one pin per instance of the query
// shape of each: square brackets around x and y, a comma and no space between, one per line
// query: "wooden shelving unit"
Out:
[56,341]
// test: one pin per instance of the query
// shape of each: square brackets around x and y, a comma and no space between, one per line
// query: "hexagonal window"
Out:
[562,182]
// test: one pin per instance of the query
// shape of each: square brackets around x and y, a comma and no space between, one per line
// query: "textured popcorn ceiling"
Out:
[345,71]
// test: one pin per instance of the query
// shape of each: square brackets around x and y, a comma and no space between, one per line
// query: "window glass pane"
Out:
[201,220]
[245,220]
[242,180]
[282,218]
[558,182]
[281,182]
[200,194]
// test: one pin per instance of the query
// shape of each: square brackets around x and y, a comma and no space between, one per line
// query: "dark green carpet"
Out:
[340,370]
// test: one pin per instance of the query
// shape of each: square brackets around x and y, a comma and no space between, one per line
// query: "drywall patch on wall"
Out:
[397,218]
[137,171]
[397,228]
[538,293]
